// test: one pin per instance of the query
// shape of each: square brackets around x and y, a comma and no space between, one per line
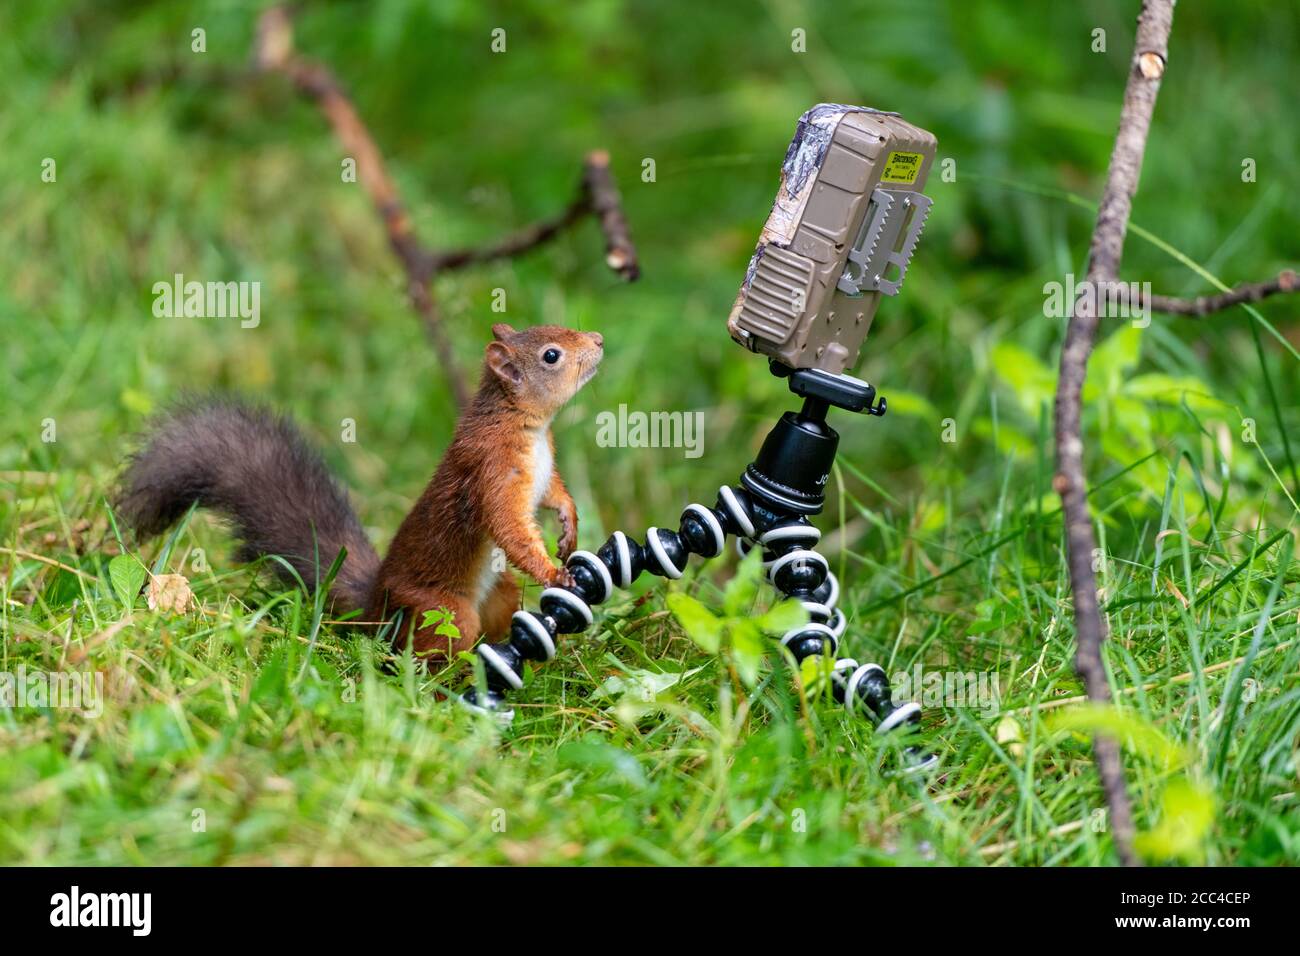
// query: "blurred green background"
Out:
[173,161]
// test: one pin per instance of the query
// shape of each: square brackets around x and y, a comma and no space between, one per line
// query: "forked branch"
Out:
[1104,255]
[1151,52]
[597,195]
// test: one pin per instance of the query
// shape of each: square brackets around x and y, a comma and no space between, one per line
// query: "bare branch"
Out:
[516,243]
[1104,255]
[597,193]
[1203,305]
[597,196]
[606,204]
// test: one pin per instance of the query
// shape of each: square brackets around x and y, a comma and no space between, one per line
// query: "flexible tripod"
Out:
[778,491]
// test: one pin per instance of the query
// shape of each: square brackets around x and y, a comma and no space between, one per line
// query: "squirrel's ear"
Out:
[500,359]
[501,332]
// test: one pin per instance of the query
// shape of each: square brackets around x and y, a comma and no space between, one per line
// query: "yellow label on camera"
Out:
[901,168]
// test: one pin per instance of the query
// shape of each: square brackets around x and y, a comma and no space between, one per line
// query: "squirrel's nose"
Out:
[598,339]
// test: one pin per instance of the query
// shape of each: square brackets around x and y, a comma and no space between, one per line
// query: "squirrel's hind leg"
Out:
[499,607]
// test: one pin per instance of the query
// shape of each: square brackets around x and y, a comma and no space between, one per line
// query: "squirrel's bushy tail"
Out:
[255,468]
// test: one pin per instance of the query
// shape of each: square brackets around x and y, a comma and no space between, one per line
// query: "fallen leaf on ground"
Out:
[169,592]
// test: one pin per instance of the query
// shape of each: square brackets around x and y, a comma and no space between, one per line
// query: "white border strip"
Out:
[738,513]
[624,559]
[844,664]
[838,622]
[833,598]
[795,555]
[798,531]
[817,610]
[931,760]
[500,716]
[574,602]
[657,547]
[816,629]
[898,716]
[851,692]
[594,562]
[709,518]
[493,659]
[538,630]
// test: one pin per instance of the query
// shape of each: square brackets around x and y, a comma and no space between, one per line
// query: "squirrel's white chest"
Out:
[537,468]
[540,465]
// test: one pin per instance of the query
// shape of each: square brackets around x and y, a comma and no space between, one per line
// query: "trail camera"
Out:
[842,230]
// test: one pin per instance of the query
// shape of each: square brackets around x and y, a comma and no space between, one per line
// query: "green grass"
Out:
[286,738]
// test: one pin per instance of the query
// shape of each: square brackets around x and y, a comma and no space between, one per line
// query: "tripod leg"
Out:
[792,566]
[799,572]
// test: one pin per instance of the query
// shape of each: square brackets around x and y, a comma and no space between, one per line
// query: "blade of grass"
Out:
[1232,700]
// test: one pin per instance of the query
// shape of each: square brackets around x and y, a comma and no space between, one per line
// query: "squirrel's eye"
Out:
[551,356]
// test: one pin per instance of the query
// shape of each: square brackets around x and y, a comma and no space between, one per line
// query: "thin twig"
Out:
[516,243]
[1246,293]
[1203,305]
[597,195]
[1104,255]
[607,207]
[19,553]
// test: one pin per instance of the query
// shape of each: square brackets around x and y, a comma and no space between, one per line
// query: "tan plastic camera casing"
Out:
[846,219]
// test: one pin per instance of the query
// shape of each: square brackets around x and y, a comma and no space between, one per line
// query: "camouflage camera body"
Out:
[846,219]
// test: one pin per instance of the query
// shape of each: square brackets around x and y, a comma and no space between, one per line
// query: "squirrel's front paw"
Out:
[568,541]
[568,535]
[560,578]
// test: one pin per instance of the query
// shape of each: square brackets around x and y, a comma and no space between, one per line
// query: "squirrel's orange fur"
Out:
[485,494]
[255,468]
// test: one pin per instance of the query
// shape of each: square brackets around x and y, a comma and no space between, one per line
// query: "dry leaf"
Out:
[169,592]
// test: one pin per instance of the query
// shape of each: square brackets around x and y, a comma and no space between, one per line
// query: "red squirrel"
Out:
[257,469]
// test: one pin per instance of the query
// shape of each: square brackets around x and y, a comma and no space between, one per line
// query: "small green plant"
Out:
[737,633]
[127,575]
[442,622]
